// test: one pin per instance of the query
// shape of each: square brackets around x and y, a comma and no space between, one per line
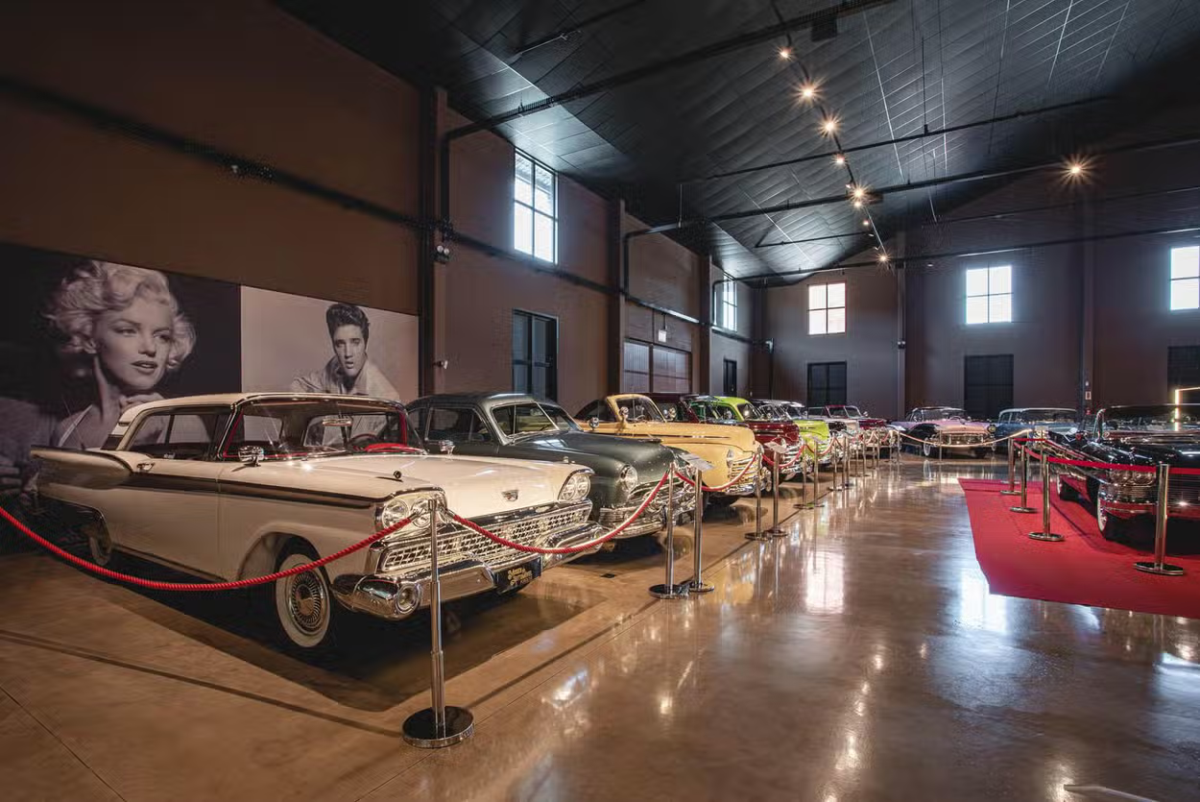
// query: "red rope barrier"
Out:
[725,486]
[787,464]
[187,587]
[591,544]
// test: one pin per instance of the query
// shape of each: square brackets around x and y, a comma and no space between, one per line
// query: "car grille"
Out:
[1183,491]
[961,439]
[456,542]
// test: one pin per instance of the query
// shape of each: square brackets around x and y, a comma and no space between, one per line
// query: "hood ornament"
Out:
[510,495]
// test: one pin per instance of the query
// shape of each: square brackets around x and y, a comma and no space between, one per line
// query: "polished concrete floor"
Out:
[859,657]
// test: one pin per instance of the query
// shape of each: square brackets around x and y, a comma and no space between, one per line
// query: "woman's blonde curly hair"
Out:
[98,287]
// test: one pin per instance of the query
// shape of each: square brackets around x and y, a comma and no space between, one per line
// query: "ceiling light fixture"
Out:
[829,125]
[785,53]
[808,91]
[840,160]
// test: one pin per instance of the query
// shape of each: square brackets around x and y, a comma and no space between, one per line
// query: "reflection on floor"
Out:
[860,657]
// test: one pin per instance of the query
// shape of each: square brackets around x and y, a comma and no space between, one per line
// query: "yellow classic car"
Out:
[729,449]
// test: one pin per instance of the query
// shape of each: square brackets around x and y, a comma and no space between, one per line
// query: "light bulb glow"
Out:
[785,53]
[829,125]
[808,91]
[839,160]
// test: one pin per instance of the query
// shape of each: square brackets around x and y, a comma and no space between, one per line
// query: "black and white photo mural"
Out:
[81,340]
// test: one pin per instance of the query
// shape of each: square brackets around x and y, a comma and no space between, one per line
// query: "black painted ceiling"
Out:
[893,69]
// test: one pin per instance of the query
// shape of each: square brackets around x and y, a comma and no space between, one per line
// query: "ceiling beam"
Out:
[563,34]
[722,47]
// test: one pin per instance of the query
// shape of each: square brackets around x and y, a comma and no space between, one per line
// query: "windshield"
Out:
[560,417]
[797,410]
[1048,416]
[939,413]
[639,408]
[748,412]
[303,428]
[1164,419]
[704,410]
[518,420]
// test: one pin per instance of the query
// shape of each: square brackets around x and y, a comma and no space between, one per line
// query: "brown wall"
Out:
[476,293]
[868,347]
[241,76]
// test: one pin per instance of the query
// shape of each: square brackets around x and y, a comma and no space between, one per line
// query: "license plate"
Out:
[518,576]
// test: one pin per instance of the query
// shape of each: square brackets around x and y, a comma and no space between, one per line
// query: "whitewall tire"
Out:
[304,604]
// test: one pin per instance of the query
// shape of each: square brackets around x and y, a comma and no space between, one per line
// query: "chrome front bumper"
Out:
[655,516]
[396,595]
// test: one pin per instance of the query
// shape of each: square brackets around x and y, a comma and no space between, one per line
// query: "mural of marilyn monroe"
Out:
[126,328]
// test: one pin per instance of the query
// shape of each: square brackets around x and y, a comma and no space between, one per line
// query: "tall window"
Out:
[535,209]
[728,301]
[1185,278]
[827,309]
[989,295]
[535,355]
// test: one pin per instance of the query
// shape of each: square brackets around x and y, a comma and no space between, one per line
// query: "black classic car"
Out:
[1033,420]
[1137,436]
[523,427]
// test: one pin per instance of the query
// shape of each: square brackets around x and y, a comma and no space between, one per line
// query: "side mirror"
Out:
[250,455]
[594,424]
[445,446]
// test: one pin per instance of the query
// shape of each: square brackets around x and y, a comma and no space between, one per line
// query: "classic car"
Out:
[1034,420]
[519,426]
[226,487]
[946,428]
[1133,435]
[815,432]
[865,421]
[740,411]
[729,449]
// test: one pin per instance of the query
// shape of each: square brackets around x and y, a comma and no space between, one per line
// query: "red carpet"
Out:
[1084,569]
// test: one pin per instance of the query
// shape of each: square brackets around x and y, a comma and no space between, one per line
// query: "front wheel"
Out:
[304,604]
[723,501]
[1112,528]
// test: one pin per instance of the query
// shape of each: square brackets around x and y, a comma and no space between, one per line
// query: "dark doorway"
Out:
[826,383]
[535,355]
[988,385]
[731,384]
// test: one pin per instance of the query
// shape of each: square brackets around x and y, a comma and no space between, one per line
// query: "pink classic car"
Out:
[946,428]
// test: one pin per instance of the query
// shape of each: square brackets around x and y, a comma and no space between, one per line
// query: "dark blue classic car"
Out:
[523,427]
[1143,436]
[1031,419]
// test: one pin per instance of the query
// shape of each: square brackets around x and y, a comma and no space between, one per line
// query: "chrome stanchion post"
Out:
[775,531]
[669,590]
[757,534]
[439,725]
[816,467]
[1161,515]
[1024,505]
[1012,469]
[1046,533]
[696,583]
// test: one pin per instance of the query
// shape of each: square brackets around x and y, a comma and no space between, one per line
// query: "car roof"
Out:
[1026,409]
[487,400]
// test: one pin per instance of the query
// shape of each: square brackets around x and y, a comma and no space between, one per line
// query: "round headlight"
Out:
[576,488]
[628,478]
[391,513]
[729,455]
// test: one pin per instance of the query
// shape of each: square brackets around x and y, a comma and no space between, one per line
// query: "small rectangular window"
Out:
[989,295]
[535,209]
[1185,278]
[827,309]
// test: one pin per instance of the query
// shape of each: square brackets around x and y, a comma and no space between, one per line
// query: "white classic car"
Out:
[241,485]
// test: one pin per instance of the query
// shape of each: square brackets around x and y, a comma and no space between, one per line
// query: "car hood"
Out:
[956,425]
[474,486]
[684,434]
[1181,450]
[603,453]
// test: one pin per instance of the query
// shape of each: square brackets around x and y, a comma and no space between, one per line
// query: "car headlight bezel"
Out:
[627,479]
[576,488]
[1132,478]
[402,505]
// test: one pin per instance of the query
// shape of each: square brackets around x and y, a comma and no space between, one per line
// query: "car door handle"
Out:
[144,467]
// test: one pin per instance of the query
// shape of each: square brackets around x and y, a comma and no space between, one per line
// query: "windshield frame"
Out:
[615,404]
[412,435]
[1103,419]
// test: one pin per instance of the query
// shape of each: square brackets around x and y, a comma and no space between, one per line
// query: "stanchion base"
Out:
[758,536]
[698,587]
[1022,509]
[1010,492]
[669,591]
[1047,537]
[808,505]
[420,731]
[773,532]
[1162,569]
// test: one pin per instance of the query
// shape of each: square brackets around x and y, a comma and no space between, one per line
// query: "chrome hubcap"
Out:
[1101,515]
[307,602]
